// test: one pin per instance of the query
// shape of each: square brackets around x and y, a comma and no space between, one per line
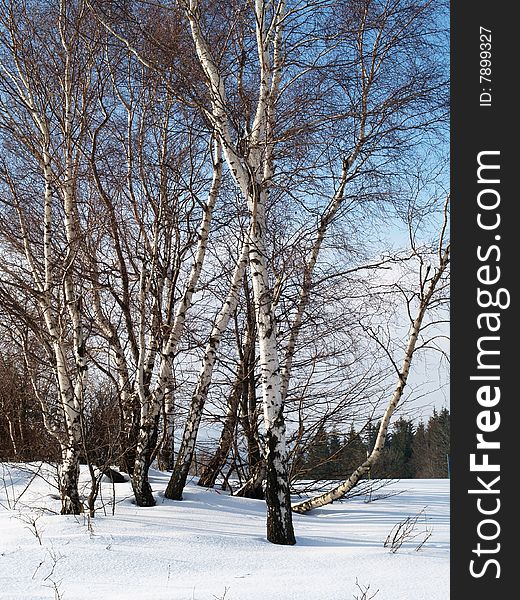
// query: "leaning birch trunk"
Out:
[240,388]
[340,490]
[185,456]
[151,403]
[210,472]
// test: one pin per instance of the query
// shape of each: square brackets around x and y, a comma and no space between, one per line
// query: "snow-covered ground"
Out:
[212,546]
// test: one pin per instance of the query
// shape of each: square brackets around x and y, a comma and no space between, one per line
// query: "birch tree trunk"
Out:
[415,329]
[185,455]
[74,395]
[69,477]
[165,452]
[279,521]
[51,147]
[240,390]
[151,402]
[252,173]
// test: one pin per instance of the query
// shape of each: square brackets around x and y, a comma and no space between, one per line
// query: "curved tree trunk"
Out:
[185,456]
[239,395]
[340,490]
[217,462]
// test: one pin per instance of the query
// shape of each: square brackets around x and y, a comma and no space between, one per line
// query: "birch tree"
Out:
[241,400]
[372,31]
[185,454]
[431,290]
[252,173]
[151,405]
[161,152]
[45,78]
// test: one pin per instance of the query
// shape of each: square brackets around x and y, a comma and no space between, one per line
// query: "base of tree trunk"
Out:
[214,467]
[253,487]
[68,482]
[208,479]
[141,487]
[71,505]
[255,492]
[278,498]
[175,487]
[144,497]
[279,527]
[278,536]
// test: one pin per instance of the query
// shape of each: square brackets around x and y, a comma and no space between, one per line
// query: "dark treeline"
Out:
[410,451]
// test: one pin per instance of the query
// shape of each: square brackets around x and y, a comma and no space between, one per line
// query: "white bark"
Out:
[415,329]
[252,174]
[151,403]
[69,436]
[69,393]
[185,456]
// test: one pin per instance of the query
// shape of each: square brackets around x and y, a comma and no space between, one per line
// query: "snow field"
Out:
[212,546]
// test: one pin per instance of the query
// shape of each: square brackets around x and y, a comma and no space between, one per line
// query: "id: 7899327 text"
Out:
[485,66]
